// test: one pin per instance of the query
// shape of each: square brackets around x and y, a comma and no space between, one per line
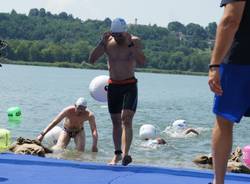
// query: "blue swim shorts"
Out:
[235,100]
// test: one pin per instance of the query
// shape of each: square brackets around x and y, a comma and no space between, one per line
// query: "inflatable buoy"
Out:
[14,114]
[52,136]
[98,88]
[179,124]
[246,155]
[147,131]
[4,139]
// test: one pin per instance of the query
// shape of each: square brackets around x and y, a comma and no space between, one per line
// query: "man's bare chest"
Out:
[118,53]
[75,120]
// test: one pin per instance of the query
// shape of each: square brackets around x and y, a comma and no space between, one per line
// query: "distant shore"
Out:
[99,66]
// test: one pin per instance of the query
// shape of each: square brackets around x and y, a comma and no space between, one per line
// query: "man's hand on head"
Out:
[105,37]
[128,37]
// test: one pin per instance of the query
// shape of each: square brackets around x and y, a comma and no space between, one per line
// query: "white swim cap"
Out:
[81,102]
[147,131]
[118,25]
[180,124]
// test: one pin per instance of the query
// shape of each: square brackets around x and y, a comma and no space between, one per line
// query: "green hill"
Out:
[60,38]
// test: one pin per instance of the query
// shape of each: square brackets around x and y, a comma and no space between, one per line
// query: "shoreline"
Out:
[99,66]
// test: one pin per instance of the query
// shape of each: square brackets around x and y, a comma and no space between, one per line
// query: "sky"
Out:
[159,12]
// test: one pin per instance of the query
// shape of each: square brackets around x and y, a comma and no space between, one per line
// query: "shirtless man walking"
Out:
[75,116]
[124,52]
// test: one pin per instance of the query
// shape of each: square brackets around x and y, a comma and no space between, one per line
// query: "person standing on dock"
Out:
[229,79]
[124,52]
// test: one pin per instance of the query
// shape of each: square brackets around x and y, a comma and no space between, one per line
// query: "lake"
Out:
[42,92]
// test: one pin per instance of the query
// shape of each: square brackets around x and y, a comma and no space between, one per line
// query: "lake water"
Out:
[42,92]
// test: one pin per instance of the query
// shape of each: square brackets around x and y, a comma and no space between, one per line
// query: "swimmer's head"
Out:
[117,29]
[179,124]
[161,141]
[81,104]
[118,25]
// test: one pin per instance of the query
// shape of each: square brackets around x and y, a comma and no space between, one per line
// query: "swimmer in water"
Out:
[181,126]
[158,140]
[74,118]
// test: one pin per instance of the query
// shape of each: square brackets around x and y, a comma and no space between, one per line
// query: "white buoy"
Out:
[180,124]
[147,131]
[52,136]
[98,88]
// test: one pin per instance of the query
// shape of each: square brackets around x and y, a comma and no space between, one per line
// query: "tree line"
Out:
[45,37]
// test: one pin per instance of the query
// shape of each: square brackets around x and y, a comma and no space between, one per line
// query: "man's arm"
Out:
[189,130]
[93,128]
[96,53]
[53,123]
[226,30]
[136,49]
[135,46]
[99,50]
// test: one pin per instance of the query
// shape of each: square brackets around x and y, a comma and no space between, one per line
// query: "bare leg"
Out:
[127,131]
[62,141]
[117,134]
[80,141]
[221,147]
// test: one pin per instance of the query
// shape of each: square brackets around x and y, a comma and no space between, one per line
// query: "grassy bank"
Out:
[100,66]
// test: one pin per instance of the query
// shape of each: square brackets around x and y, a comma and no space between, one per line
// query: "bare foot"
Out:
[115,159]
